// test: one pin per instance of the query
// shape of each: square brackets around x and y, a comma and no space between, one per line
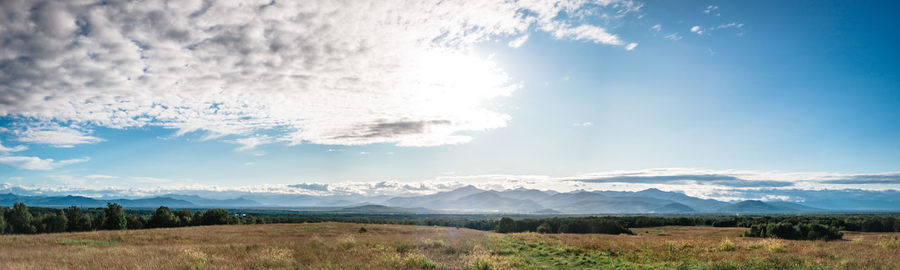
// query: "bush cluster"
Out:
[802,231]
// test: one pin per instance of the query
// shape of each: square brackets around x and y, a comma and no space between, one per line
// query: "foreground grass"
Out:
[693,248]
[345,246]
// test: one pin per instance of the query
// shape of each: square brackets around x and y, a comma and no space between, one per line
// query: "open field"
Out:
[344,246]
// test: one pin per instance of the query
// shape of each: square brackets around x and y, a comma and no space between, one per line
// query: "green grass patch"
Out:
[93,243]
[420,262]
[313,228]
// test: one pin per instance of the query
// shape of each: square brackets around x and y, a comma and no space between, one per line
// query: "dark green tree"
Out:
[185,217]
[51,223]
[2,220]
[20,219]
[97,221]
[507,225]
[78,221]
[136,222]
[217,216]
[163,218]
[114,217]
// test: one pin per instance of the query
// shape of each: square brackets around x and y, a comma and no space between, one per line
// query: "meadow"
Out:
[334,245]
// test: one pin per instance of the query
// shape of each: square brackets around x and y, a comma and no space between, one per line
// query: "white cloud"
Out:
[730,25]
[322,72]
[589,33]
[518,42]
[248,143]
[54,134]
[36,163]
[630,46]
[673,36]
[656,28]
[583,124]
[707,30]
[697,29]
[17,148]
[712,10]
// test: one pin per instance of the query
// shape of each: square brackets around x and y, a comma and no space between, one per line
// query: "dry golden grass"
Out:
[342,246]
[278,246]
[724,248]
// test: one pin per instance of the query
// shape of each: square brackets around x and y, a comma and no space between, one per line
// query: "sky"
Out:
[390,97]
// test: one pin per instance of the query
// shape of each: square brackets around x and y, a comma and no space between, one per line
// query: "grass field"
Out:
[344,246]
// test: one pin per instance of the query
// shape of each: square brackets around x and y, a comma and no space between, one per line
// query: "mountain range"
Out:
[468,199]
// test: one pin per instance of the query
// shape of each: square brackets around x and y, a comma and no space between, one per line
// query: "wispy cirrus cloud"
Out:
[6,149]
[306,71]
[712,10]
[711,179]
[673,36]
[54,134]
[36,163]
[851,179]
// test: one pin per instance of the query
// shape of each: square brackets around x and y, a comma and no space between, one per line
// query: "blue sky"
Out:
[792,91]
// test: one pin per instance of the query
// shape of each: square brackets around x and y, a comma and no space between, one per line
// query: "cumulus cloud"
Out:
[697,29]
[36,163]
[322,72]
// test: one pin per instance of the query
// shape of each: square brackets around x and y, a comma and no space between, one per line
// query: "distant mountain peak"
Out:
[467,188]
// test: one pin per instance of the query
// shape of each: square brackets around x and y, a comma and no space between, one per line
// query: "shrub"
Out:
[544,228]
[482,264]
[727,245]
[420,262]
[891,244]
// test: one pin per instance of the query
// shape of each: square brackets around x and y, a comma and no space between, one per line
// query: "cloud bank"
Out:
[321,72]
[722,184]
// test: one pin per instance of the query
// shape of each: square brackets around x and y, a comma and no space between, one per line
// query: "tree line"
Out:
[20,220]
[604,225]
[800,231]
